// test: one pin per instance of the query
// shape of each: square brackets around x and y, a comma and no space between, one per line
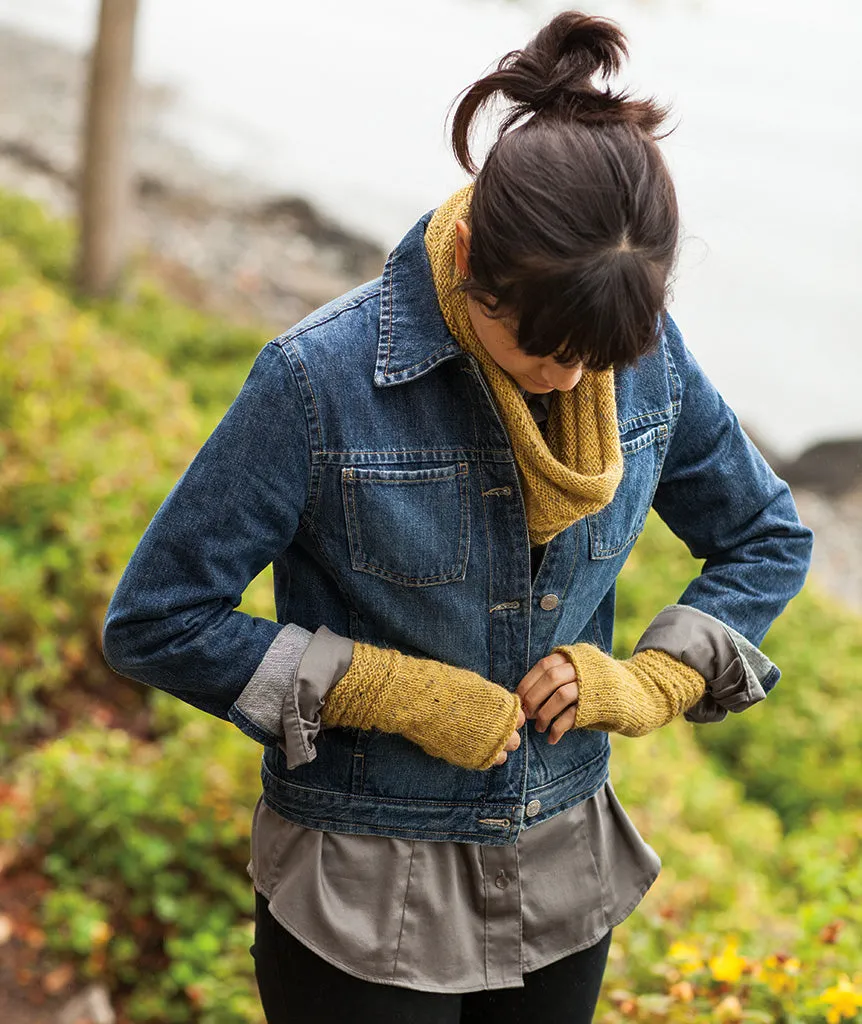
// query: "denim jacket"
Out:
[365,458]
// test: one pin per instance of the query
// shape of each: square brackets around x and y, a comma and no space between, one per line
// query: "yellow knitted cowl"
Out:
[575,469]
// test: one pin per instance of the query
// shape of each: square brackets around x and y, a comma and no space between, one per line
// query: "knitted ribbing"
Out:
[575,469]
[450,712]
[631,697]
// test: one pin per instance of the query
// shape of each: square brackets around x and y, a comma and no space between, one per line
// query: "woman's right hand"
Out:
[514,741]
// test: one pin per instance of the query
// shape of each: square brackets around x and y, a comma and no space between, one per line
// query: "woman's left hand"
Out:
[550,691]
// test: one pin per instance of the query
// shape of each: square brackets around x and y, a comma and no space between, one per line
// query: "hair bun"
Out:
[558,67]
[552,77]
[565,55]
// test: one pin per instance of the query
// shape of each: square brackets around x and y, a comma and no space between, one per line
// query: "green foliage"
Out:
[772,919]
[97,422]
[800,750]
[45,244]
[210,353]
[93,433]
[147,846]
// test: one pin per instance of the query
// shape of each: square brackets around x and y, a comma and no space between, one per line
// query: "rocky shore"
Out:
[231,246]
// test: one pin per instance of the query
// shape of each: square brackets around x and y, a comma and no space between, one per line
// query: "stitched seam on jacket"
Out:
[313,490]
[289,336]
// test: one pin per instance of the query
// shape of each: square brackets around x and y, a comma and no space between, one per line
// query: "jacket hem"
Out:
[489,824]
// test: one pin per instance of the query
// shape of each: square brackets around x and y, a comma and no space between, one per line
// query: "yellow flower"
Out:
[728,965]
[779,973]
[843,999]
[688,956]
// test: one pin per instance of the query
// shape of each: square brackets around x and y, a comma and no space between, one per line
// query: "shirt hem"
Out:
[616,919]
[458,989]
[417,987]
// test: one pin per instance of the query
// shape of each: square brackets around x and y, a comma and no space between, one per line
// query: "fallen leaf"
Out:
[683,990]
[58,979]
[830,933]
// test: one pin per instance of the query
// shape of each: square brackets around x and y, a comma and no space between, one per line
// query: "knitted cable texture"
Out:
[631,697]
[452,713]
[575,469]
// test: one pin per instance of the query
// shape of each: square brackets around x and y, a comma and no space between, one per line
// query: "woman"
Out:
[447,467]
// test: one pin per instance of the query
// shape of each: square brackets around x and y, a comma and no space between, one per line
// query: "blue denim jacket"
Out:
[366,459]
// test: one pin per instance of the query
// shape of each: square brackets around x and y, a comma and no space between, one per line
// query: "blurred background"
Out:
[194,183]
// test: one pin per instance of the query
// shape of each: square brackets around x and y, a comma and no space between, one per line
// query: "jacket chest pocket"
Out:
[617,526]
[408,526]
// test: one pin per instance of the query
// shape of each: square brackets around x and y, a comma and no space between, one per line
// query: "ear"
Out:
[462,248]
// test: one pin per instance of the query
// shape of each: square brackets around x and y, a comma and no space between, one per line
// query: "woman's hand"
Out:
[514,741]
[550,691]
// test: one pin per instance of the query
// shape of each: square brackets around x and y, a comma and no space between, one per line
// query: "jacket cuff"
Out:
[737,673]
[257,711]
[323,663]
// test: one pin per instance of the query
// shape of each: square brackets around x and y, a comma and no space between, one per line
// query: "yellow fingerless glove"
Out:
[631,697]
[449,712]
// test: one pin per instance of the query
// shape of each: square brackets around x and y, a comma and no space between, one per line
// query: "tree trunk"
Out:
[104,177]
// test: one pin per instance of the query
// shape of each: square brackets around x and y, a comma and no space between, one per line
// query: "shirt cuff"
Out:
[258,709]
[737,673]
[325,660]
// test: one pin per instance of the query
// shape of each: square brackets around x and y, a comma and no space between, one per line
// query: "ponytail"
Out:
[552,76]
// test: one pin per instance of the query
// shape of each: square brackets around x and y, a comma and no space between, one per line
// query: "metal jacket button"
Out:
[501,881]
[533,808]
[549,602]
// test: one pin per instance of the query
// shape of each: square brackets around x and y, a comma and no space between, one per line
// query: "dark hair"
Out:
[574,221]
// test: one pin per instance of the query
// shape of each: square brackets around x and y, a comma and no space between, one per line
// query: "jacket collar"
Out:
[413,335]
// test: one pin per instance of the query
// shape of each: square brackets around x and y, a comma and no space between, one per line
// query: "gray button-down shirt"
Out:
[449,916]
[443,916]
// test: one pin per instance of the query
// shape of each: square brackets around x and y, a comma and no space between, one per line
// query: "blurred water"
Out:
[345,102]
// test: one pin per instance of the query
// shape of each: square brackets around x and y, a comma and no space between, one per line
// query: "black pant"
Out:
[299,987]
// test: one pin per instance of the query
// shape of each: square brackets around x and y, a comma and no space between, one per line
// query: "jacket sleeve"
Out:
[719,495]
[172,622]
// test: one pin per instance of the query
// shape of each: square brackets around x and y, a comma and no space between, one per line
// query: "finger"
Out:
[561,699]
[537,671]
[552,680]
[564,696]
[562,724]
[521,719]
[543,686]
[513,742]
[501,757]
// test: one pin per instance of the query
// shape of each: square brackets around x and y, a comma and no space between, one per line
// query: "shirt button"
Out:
[549,602]
[533,808]
[501,881]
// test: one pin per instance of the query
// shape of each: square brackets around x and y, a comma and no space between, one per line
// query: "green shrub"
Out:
[801,749]
[146,845]
[46,244]
[93,433]
[742,914]
[212,354]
